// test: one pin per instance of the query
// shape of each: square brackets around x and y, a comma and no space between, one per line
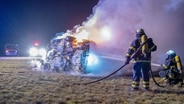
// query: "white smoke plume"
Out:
[114,22]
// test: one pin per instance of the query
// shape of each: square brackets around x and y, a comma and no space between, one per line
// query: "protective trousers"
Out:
[141,68]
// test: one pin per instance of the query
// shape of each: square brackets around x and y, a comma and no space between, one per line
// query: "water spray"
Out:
[132,57]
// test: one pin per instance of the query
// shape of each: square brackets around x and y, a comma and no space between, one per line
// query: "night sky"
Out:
[110,23]
[24,21]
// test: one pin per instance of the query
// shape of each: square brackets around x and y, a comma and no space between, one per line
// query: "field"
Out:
[20,84]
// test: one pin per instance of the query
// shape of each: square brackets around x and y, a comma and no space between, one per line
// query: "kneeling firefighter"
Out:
[142,61]
[173,70]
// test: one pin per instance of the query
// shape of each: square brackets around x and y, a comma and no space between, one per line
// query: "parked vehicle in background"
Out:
[37,54]
[11,49]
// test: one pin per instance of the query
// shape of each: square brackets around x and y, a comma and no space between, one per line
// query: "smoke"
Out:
[114,22]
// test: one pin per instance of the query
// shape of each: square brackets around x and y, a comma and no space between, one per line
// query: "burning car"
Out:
[67,54]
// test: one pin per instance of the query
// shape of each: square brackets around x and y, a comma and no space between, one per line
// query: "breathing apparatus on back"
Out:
[178,63]
[140,34]
[145,49]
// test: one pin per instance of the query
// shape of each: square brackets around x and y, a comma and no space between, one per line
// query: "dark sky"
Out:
[23,21]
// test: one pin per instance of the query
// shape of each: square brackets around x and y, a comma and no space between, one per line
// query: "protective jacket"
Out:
[141,57]
[173,69]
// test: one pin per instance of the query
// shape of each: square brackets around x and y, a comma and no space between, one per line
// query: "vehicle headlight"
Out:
[37,52]
[33,51]
[42,52]
[92,59]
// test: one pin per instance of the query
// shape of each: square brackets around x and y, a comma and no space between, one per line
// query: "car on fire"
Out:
[66,54]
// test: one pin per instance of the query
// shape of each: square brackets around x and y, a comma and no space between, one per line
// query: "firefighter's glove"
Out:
[127,60]
[162,67]
[150,40]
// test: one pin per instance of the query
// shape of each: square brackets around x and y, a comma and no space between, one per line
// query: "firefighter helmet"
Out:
[171,54]
[139,33]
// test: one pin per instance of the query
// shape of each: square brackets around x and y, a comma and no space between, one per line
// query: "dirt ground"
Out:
[20,84]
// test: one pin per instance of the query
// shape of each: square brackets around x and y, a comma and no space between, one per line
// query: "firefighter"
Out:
[173,68]
[142,62]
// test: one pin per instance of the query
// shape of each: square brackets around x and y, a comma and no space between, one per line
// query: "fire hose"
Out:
[151,73]
[132,57]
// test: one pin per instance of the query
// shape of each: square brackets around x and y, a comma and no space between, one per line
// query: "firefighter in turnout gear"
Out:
[142,62]
[173,68]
